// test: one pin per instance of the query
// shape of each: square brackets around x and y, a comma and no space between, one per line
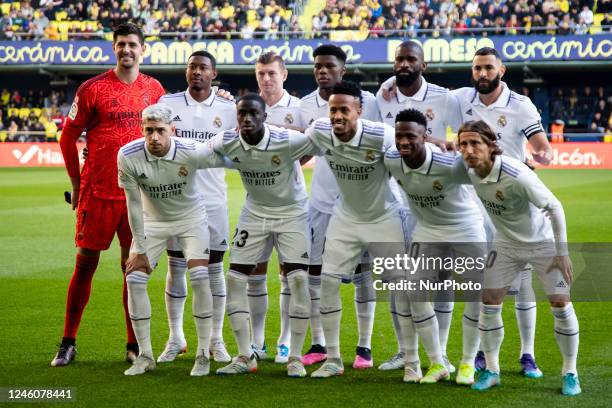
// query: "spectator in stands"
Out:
[12,135]
[587,15]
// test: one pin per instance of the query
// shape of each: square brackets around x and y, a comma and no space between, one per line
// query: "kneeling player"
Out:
[275,208]
[158,173]
[448,226]
[514,197]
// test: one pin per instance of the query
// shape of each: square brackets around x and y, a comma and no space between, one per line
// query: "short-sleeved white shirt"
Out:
[201,121]
[513,195]
[268,170]
[167,184]
[286,112]
[324,189]
[512,117]
[443,207]
[438,104]
[358,168]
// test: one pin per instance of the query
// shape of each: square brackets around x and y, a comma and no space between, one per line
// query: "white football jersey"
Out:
[324,188]
[167,184]
[286,112]
[267,170]
[444,209]
[201,121]
[438,104]
[358,168]
[513,117]
[513,195]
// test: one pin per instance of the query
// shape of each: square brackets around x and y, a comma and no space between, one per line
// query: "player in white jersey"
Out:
[283,110]
[199,115]
[530,228]
[158,175]
[515,120]
[329,68]
[445,213]
[275,207]
[440,107]
[366,212]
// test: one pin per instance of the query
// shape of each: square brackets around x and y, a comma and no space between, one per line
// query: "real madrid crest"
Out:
[183,172]
[437,185]
[429,114]
[499,195]
[276,160]
[502,121]
[370,156]
[289,119]
[217,122]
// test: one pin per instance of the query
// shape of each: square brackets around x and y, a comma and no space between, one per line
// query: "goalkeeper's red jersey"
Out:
[110,112]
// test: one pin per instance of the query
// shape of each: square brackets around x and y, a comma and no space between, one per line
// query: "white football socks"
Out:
[365,306]
[202,307]
[299,310]
[284,304]
[567,336]
[331,314]
[238,310]
[316,330]
[491,328]
[526,311]
[444,315]
[426,325]
[176,295]
[471,334]
[257,292]
[217,289]
[140,310]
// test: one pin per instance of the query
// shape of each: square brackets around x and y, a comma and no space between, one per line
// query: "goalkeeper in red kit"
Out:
[108,107]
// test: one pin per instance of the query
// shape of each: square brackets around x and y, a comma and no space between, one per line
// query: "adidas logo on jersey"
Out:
[143,176]
[305,255]
[236,159]
[224,242]
[469,112]
[206,251]
[389,115]
[328,152]
[177,118]
[561,284]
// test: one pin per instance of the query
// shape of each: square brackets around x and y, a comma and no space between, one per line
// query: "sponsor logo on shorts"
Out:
[206,251]
[305,255]
[561,284]
[224,242]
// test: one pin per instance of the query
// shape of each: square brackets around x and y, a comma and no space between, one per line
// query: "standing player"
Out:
[157,173]
[441,109]
[108,107]
[515,120]
[282,110]
[530,228]
[445,213]
[366,212]
[329,68]
[200,115]
[275,208]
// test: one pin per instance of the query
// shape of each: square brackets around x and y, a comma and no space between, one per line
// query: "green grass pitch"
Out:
[37,258]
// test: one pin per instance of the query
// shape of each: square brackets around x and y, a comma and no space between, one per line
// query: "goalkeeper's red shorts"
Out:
[98,220]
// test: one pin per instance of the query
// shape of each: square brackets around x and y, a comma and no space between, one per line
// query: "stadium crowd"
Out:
[32,116]
[273,19]
[435,18]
